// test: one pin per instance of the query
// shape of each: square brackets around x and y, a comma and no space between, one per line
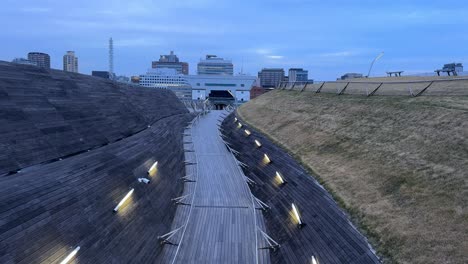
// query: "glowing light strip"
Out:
[247,132]
[267,159]
[153,167]
[123,200]
[235,119]
[258,143]
[296,213]
[314,261]
[70,256]
[279,177]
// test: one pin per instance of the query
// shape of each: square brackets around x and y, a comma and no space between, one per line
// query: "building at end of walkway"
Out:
[199,87]
[238,86]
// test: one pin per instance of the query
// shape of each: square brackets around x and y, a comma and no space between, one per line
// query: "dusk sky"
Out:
[328,38]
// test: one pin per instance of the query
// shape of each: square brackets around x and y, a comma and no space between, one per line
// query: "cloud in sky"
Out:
[338,54]
[316,35]
[275,57]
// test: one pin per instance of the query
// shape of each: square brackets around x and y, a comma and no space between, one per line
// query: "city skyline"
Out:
[326,39]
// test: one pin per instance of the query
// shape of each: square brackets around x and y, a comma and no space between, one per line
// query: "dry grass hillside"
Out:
[399,165]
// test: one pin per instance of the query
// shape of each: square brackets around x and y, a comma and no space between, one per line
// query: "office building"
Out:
[40,59]
[298,75]
[23,61]
[171,61]
[70,62]
[166,78]
[214,65]
[101,74]
[271,77]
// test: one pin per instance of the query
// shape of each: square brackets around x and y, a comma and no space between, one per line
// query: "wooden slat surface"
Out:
[48,209]
[72,146]
[328,233]
[50,114]
[222,224]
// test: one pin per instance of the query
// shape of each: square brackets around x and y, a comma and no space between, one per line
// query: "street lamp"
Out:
[372,64]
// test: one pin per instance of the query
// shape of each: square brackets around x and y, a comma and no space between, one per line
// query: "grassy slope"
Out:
[398,164]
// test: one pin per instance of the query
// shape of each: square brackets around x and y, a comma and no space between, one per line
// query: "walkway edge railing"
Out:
[290,86]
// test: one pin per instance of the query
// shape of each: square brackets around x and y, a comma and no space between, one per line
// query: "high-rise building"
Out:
[271,77]
[298,75]
[70,62]
[214,65]
[171,61]
[40,59]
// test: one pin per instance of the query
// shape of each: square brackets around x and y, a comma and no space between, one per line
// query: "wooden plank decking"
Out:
[49,209]
[327,233]
[220,224]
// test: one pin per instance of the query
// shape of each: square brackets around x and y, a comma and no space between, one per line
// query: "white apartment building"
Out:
[70,62]
[167,78]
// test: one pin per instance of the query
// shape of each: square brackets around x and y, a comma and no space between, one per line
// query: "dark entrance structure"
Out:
[221,99]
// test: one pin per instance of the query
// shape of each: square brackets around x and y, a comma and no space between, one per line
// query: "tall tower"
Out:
[111,58]
[70,62]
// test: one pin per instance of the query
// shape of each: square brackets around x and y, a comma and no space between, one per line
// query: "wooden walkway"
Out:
[217,222]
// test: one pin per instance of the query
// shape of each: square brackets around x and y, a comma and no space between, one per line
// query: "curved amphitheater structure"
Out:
[396,161]
[92,171]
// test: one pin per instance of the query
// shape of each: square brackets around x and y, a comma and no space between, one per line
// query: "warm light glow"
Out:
[258,143]
[247,132]
[279,177]
[153,168]
[314,261]
[123,200]
[70,256]
[266,158]
[296,213]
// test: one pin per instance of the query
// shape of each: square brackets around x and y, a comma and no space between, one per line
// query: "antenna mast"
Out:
[111,58]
